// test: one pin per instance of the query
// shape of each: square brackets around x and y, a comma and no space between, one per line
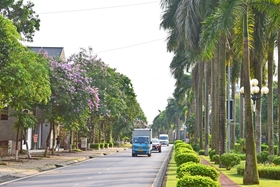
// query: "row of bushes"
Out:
[240,148]
[264,157]
[189,170]
[269,172]
[100,145]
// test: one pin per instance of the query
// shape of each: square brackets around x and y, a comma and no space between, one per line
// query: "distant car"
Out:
[156,145]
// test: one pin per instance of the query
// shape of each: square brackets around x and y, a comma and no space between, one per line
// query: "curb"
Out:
[162,171]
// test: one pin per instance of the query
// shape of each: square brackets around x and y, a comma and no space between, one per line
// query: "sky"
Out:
[125,34]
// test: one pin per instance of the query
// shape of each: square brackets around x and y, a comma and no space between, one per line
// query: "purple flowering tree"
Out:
[73,97]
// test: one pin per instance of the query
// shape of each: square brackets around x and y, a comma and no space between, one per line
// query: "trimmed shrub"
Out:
[212,152]
[197,181]
[229,160]
[94,146]
[186,157]
[216,159]
[237,148]
[181,145]
[264,147]
[195,147]
[183,150]
[201,152]
[276,160]
[177,141]
[262,157]
[197,169]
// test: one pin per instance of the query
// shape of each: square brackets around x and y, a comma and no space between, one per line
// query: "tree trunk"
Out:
[48,140]
[278,93]
[242,104]
[53,142]
[17,137]
[251,175]
[200,116]
[26,144]
[206,108]
[215,103]
[258,130]
[232,127]
[222,83]
[270,124]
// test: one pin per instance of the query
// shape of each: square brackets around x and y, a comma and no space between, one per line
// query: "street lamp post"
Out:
[254,91]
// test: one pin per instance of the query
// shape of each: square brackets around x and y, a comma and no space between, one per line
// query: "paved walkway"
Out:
[223,179]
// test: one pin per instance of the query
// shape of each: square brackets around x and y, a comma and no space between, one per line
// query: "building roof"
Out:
[52,51]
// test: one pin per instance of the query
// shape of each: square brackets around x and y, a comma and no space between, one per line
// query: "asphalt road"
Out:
[118,170]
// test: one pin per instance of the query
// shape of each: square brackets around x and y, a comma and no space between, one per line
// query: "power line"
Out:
[129,46]
[100,8]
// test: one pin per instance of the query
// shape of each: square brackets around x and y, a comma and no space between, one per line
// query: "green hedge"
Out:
[197,169]
[201,152]
[95,146]
[196,181]
[212,152]
[183,150]
[268,172]
[276,160]
[186,157]
[229,160]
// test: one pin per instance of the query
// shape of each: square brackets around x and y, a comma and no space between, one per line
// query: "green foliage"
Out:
[216,159]
[102,145]
[229,160]
[212,152]
[183,144]
[197,181]
[201,152]
[186,157]
[262,157]
[196,147]
[95,145]
[237,148]
[197,169]
[242,145]
[264,147]
[276,160]
[183,150]
[266,171]
[23,17]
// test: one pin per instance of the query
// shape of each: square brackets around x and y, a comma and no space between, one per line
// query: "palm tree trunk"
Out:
[258,130]
[222,78]
[232,127]
[200,116]
[278,92]
[242,104]
[251,175]
[270,100]
[215,103]
[206,132]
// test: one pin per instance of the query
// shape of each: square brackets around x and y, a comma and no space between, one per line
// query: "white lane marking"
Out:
[89,178]
[76,184]
[99,172]
[108,168]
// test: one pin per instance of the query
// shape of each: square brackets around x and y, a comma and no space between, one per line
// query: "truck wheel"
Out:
[149,155]
[159,151]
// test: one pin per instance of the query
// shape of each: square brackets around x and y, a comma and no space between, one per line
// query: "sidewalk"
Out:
[11,169]
[223,179]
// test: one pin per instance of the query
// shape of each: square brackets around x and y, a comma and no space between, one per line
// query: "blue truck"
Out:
[142,142]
